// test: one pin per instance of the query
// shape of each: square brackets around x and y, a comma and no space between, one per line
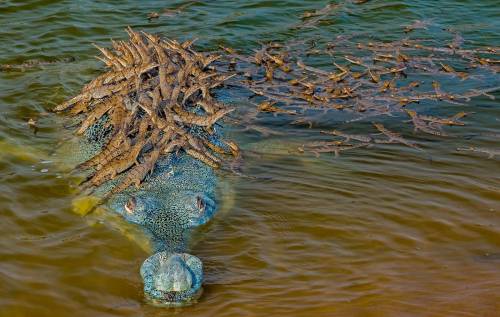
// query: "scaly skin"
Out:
[117,145]
[119,164]
[202,121]
[204,158]
[99,111]
[210,106]
[117,116]
[138,173]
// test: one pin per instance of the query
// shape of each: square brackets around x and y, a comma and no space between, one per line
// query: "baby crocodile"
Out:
[491,152]
[336,149]
[394,137]
[348,137]
[453,120]
[267,106]
[420,124]
[329,147]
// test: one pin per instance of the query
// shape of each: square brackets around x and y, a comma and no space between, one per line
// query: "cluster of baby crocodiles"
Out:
[156,99]
[366,80]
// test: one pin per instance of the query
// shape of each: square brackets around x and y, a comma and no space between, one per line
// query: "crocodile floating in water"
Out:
[150,121]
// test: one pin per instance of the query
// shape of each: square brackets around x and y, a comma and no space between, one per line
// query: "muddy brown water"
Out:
[385,231]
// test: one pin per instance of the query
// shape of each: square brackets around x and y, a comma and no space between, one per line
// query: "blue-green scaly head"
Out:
[167,207]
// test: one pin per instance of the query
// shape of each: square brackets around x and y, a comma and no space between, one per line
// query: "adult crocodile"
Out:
[178,197]
[150,121]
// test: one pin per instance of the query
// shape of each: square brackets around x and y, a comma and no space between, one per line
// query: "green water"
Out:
[376,232]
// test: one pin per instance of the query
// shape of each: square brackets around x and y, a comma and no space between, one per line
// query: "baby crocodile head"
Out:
[172,279]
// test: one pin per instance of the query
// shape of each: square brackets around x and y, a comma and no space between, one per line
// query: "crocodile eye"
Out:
[200,203]
[130,205]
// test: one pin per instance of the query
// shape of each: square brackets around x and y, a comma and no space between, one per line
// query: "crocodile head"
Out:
[172,279]
[178,197]
[167,214]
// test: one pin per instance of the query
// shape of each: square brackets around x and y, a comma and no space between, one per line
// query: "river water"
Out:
[381,231]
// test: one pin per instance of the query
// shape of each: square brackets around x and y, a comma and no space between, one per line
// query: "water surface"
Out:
[376,232]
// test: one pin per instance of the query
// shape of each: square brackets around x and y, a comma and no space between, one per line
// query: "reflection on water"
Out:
[377,232]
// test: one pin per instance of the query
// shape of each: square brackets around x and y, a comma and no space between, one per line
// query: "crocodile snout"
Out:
[172,279]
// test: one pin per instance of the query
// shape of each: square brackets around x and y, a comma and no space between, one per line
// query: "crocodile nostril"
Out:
[130,205]
[200,203]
